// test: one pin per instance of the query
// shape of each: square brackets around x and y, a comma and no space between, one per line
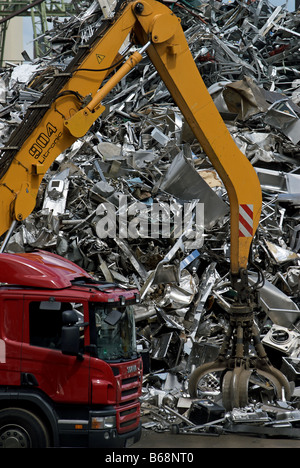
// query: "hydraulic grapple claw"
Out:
[234,382]
[236,367]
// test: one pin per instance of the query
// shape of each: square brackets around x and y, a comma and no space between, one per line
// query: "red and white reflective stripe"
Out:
[245,220]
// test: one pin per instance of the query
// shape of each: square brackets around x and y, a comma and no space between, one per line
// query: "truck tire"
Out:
[20,428]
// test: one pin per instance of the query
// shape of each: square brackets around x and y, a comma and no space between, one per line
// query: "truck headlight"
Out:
[103,422]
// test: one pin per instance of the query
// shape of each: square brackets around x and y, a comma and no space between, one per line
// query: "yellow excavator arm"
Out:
[72,103]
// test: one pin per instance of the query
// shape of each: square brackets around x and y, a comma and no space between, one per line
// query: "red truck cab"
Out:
[70,375]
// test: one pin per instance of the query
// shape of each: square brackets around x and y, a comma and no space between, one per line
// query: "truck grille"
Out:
[130,383]
[128,418]
[130,387]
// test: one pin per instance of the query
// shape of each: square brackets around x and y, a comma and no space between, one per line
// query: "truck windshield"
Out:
[115,333]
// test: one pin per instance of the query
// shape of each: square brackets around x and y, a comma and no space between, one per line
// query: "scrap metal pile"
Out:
[122,203]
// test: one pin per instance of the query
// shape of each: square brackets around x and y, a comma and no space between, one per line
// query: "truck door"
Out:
[11,309]
[65,379]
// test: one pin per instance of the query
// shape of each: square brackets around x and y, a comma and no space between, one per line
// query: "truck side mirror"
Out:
[70,333]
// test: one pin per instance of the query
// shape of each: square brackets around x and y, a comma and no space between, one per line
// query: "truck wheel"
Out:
[20,428]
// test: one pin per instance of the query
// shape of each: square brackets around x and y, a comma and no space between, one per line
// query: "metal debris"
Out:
[122,203]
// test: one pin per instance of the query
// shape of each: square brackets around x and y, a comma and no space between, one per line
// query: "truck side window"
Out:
[44,326]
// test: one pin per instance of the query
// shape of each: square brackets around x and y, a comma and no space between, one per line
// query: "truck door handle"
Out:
[29,380]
